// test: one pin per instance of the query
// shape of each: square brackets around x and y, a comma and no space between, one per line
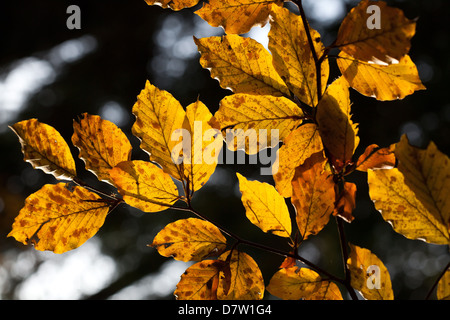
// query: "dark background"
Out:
[123,51]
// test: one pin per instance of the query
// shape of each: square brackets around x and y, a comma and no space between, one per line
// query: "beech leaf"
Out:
[101,143]
[175,5]
[57,219]
[44,148]
[443,288]
[375,158]
[190,239]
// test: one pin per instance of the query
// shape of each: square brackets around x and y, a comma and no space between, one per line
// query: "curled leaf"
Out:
[375,158]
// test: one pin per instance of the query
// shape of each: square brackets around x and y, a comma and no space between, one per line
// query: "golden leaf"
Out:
[173,4]
[296,283]
[101,143]
[243,280]
[338,132]
[240,64]
[313,195]
[190,239]
[388,42]
[292,55]
[237,16]
[144,186]
[264,207]
[368,274]
[443,288]
[158,115]
[200,281]
[250,122]
[201,159]
[299,145]
[57,219]
[413,197]
[384,83]
[375,158]
[44,148]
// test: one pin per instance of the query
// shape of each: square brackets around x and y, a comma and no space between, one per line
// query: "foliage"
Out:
[287,89]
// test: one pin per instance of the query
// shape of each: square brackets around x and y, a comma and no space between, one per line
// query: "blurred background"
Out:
[54,74]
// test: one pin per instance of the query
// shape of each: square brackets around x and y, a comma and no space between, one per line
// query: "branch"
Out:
[437,281]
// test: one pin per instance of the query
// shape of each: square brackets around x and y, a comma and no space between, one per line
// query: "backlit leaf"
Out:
[313,195]
[293,58]
[240,64]
[390,42]
[375,158]
[237,16]
[173,4]
[443,288]
[296,283]
[204,145]
[264,207]
[369,275]
[44,148]
[158,115]
[384,83]
[200,281]
[101,143]
[245,281]
[190,239]
[144,186]
[414,196]
[57,219]
[254,123]
[346,202]
[339,133]
[299,145]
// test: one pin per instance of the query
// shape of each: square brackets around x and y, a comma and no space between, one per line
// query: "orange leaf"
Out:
[390,42]
[44,148]
[346,202]
[369,275]
[189,239]
[101,143]
[375,158]
[57,219]
[144,186]
[236,16]
[313,195]
[245,281]
[299,145]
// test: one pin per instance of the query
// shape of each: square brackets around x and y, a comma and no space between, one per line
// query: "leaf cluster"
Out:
[287,89]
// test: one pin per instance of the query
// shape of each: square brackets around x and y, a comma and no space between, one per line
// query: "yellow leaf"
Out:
[443,288]
[173,4]
[44,148]
[200,281]
[243,281]
[384,83]
[200,162]
[190,239]
[385,43]
[299,145]
[144,186]
[296,283]
[57,219]
[375,158]
[292,55]
[101,143]
[264,207]
[368,275]
[158,115]
[254,123]
[240,64]
[414,197]
[313,195]
[237,16]
[339,133]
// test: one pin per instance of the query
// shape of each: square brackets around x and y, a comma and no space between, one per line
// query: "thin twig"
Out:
[437,281]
